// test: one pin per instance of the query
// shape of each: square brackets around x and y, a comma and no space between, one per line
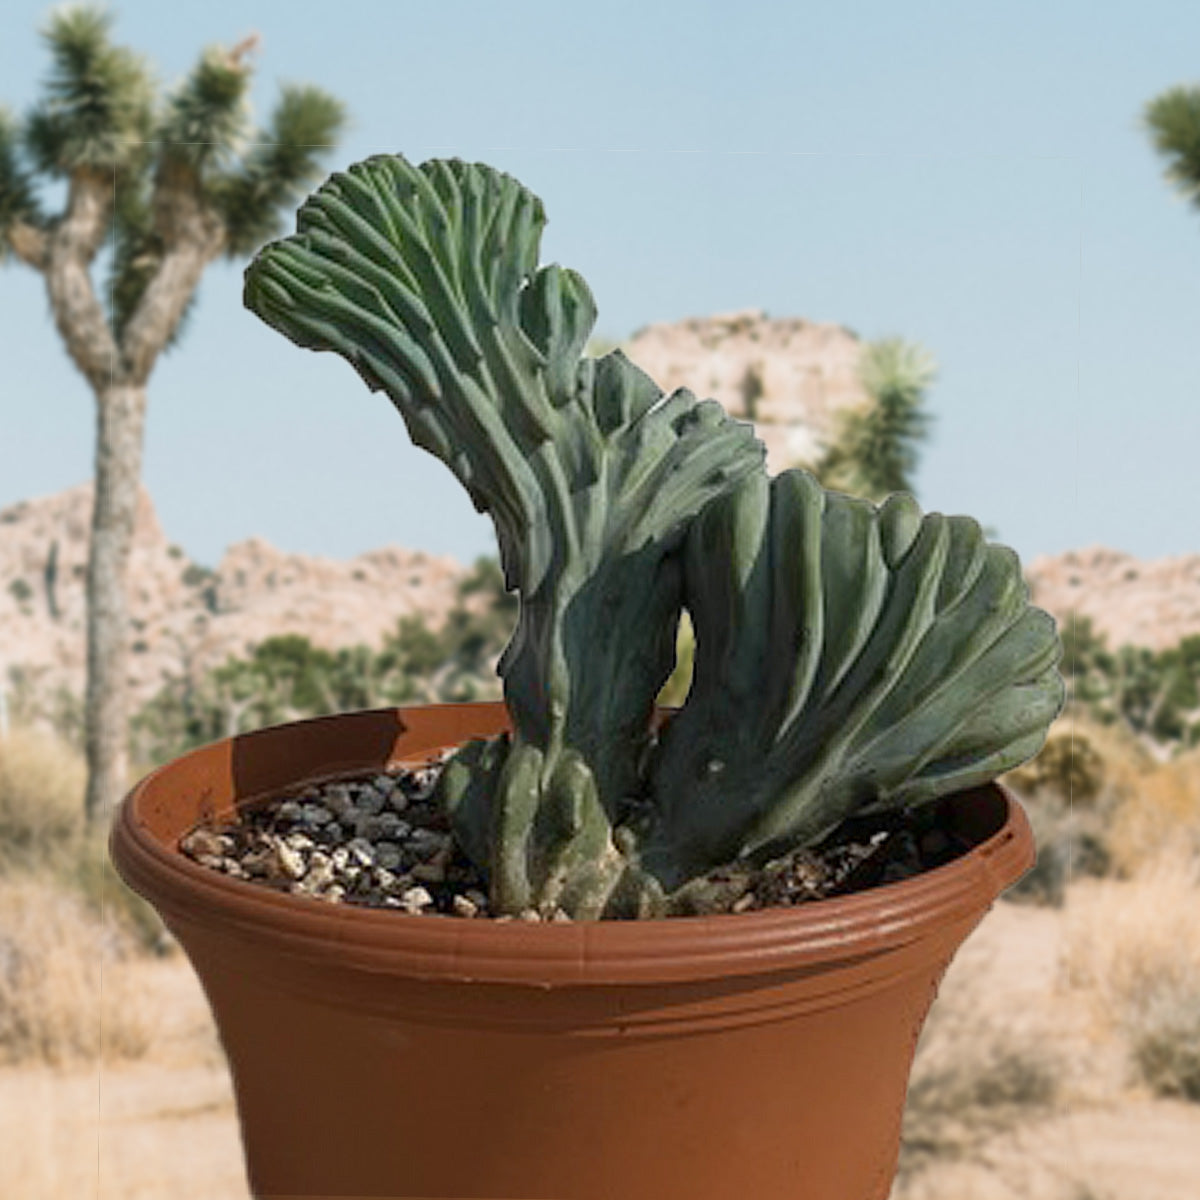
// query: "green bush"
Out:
[1153,694]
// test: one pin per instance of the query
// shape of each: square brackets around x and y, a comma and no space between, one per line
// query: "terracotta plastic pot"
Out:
[379,1054]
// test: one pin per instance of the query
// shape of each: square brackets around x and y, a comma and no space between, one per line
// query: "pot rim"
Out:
[433,947]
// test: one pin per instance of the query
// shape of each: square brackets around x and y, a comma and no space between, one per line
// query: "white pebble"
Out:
[415,899]
[362,851]
[290,860]
[203,842]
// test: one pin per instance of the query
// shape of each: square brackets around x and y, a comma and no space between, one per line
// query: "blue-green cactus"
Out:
[849,658]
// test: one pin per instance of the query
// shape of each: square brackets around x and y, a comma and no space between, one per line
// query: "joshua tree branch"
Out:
[193,236]
[69,248]
[29,244]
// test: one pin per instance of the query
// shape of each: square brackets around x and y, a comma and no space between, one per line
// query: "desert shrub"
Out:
[64,995]
[43,833]
[972,1079]
[41,795]
[1153,694]
[1134,947]
[1086,774]
[287,677]
[1068,766]
[35,701]
[1164,1035]
[1084,763]
[1071,844]
[1158,815]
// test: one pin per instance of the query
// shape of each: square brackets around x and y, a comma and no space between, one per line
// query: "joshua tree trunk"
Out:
[120,422]
[117,373]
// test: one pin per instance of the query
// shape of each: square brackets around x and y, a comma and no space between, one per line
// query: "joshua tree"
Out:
[1173,120]
[169,184]
[875,453]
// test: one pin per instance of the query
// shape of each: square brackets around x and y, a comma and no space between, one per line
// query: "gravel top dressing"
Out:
[379,840]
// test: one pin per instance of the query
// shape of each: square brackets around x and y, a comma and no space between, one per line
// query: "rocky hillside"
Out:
[1129,600]
[184,615]
[787,375]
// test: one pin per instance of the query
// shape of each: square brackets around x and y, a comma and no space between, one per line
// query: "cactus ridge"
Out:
[850,658]
[426,280]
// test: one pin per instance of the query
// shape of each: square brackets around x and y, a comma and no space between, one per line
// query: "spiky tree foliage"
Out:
[170,182]
[18,204]
[875,451]
[850,659]
[97,110]
[1173,122]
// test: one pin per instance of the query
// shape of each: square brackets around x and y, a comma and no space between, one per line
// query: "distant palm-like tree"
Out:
[169,184]
[875,450]
[1173,120]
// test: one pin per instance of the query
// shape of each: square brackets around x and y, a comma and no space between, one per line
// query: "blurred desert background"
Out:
[925,248]
[1061,1061]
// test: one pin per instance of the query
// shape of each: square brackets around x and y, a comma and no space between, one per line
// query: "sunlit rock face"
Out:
[1141,602]
[787,375]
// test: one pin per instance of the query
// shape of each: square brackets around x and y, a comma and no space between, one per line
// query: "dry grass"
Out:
[1102,806]
[41,796]
[1159,815]
[43,833]
[1134,947]
[64,995]
[67,925]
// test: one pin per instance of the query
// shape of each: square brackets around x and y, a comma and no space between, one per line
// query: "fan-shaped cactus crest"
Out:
[850,658]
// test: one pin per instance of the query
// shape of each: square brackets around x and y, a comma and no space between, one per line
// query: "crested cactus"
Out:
[849,658]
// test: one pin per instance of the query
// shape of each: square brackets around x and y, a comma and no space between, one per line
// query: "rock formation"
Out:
[789,376]
[1144,603]
[184,616]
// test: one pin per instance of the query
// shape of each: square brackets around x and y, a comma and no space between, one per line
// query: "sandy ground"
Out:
[1110,1140]
[166,1129]
[163,1129]
[1139,1150]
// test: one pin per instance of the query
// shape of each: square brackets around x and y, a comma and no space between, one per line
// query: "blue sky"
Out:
[973,177]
